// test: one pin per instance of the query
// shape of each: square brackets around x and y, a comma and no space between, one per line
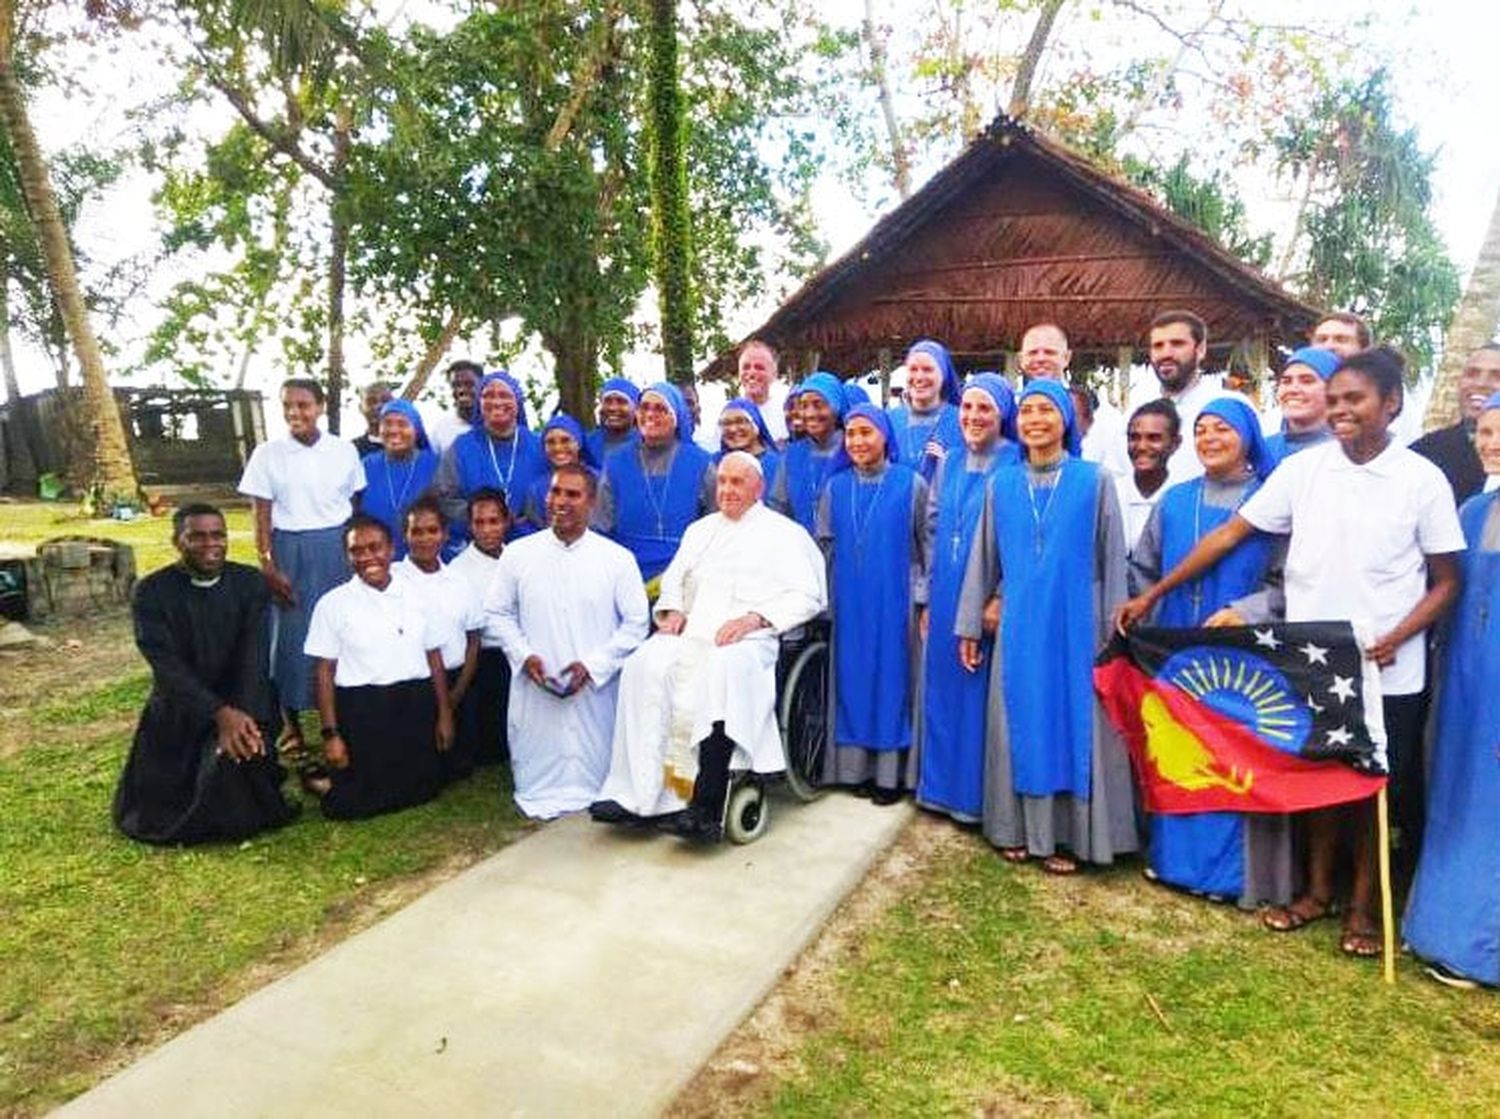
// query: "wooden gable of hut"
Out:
[1019,230]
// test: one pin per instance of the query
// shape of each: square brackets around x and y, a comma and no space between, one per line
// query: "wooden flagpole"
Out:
[1387,904]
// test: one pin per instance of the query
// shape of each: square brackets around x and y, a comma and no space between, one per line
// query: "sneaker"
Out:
[1449,978]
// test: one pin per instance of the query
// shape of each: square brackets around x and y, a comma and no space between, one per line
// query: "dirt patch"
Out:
[79,655]
[763,1051]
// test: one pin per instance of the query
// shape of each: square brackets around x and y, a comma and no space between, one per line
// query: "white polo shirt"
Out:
[452,603]
[1135,507]
[309,487]
[476,571]
[377,637]
[1360,533]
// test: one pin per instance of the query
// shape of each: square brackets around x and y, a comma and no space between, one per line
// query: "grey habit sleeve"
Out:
[1109,563]
[1145,557]
[603,519]
[708,491]
[445,488]
[982,574]
[927,512]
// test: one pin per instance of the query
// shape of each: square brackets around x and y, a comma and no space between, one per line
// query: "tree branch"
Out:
[584,80]
[278,137]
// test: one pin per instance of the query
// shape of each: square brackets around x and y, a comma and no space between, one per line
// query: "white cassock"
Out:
[673,688]
[564,602]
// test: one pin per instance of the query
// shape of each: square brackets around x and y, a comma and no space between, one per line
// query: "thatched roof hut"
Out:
[1019,230]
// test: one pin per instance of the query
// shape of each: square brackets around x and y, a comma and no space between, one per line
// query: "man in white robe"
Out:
[568,606]
[741,577]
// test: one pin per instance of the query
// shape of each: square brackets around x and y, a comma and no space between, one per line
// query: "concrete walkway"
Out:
[581,971]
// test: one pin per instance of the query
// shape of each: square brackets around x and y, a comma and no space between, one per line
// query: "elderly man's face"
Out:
[1044,353]
[757,371]
[739,487]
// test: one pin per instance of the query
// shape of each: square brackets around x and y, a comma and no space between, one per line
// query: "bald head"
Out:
[1044,352]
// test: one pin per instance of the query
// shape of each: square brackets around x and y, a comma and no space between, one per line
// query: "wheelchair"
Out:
[802,673]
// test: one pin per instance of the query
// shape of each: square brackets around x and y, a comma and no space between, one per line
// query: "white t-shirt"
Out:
[308,487]
[1106,442]
[444,429]
[377,637]
[1135,507]
[475,570]
[452,604]
[1359,535]
[1184,464]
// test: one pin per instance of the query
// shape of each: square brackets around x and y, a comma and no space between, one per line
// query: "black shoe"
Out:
[611,812]
[886,797]
[671,823]
[695,828]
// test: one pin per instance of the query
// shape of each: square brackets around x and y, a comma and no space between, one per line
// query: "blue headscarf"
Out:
[511,383]
[564,422]
[855,393]
[1062,400]
[407,410]
[1325,363]
[1240,416]
[950,391]
[751,409]
[623,387]
[673,396]
[1491,404]
[831,389]
[999,390]
[881,420]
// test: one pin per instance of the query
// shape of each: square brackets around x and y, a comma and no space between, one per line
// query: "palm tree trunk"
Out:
[7,358]
[338,264]
[110,473]
[1473,325]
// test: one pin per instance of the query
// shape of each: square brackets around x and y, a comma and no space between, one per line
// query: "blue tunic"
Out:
[509,465]
[913,433]
[1286,443]
[599,448]
[871,521]
[391,487]
[652,511]
[803,471]
[951,771]
[1453,917]
[1205,851]
[1045,536]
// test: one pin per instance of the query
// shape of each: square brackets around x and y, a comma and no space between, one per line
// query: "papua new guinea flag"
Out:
[1276,718]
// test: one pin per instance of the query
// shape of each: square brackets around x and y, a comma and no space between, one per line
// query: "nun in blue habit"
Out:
[400,472]
[926,420]
[743,428]
[1224,855]
[1453,917]
[563,442]
[870,524]
[951,727]
[618,400]
[805,463]
[499,452]
[650,493]
[1050,552]
[1304,420]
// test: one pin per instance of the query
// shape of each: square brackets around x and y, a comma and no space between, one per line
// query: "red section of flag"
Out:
[1188,758]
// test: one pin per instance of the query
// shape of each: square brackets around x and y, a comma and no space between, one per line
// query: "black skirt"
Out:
[390,732]
[488,700]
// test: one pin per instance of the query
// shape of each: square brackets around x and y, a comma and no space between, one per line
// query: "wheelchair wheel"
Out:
[804,720]
[745,820]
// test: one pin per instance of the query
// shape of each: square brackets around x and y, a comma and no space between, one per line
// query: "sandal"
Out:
[1361,938]
[1014,854]
[1302,912]
[1060,865]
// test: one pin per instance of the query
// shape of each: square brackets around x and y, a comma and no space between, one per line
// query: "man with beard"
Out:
[1451,449]
[1178,344]
[201,766]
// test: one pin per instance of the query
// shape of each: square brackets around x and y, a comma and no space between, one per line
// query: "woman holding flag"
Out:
[1049,560]
[1453,919]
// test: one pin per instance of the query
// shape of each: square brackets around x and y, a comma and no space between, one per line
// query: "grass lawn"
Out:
[990,989]
[107,946]
[31,522]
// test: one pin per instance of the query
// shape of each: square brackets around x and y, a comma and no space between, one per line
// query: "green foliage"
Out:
[1212,204]
[1371,244]
[671,221]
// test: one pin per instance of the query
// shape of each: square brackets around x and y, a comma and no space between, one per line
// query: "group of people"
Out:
[602,608]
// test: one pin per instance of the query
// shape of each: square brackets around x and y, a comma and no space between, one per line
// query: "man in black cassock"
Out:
[202,766]
[1451,449]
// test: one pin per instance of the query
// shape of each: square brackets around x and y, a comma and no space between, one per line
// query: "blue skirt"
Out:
[315,563]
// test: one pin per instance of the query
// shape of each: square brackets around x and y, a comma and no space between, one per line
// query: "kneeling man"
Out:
[569,607]
[741,578]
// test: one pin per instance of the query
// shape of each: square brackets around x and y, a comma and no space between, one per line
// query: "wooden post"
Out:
[883,360]
[1124,359]
[1258,361]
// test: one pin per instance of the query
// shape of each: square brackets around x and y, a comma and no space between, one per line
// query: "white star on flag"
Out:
[1343,687]
[1315,654]
[1267,639]
[1340,737]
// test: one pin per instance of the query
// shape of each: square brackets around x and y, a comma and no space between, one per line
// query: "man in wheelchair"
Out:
[741,577]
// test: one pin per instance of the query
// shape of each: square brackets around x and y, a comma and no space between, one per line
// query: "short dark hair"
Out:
[590,479]
[306,384]
[1381,364]
[427,503]
[1168,318]
[1085,391]
[492,495]
[364,520]
[463,363]
[1164,408]
[1362,333]
[183,513]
